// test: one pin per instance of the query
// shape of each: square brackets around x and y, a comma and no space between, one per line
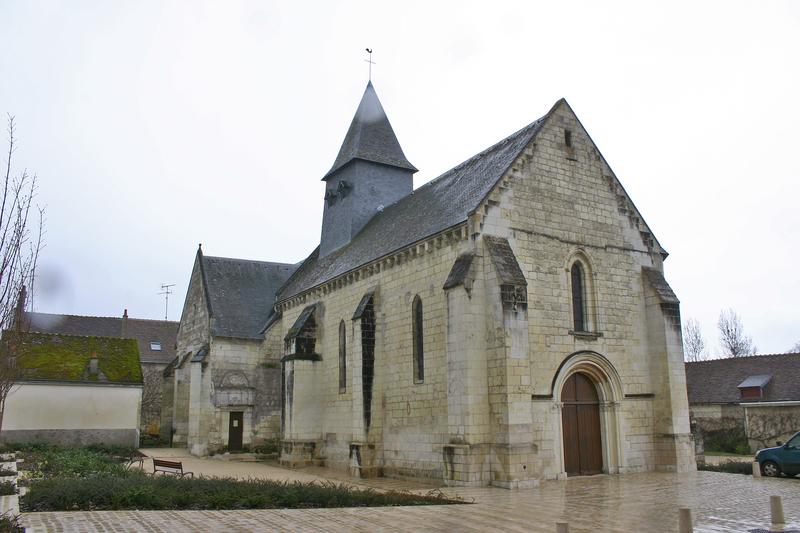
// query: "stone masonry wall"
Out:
[714,417]
[560,202]
[152,398]
[766,425]
[238,377]
[193,333]
[409,420]
[556,203]
[763,424]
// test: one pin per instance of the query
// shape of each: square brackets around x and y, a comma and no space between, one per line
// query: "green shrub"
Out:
[9,523]
[731,440]
[141,491]
[112,450]
[72,462]
[10,447]
[269,447]
[730,467]
[7,488]
[152,441]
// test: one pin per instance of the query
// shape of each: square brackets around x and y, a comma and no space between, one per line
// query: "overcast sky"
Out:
[156,125]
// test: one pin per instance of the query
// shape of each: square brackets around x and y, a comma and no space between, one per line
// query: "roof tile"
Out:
[717,381]
[242,294]
[144,331]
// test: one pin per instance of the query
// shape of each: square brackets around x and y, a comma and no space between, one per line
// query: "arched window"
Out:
[578,297]
[342,357]
[419,355]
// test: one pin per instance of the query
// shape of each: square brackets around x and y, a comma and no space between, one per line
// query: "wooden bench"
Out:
[170,467]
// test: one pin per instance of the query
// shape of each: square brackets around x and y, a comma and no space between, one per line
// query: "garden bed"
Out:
[96,478]
[141,491]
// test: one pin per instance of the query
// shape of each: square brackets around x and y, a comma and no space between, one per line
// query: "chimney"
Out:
[93,365]
[124,324]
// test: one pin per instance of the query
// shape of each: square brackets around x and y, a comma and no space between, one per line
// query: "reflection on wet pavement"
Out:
[646,502]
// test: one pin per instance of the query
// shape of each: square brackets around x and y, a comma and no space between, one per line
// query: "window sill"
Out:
[419,382]
[301,357]
[586,335]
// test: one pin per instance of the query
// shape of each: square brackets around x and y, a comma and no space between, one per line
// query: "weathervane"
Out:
[370,61]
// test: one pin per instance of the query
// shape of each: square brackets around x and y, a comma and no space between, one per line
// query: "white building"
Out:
[75,390]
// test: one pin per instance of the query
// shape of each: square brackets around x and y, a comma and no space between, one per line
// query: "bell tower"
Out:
[370,173]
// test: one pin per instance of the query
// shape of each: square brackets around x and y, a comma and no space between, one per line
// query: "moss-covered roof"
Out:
[57,357]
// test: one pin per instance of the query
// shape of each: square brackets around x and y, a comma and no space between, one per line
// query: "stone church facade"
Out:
[221,391]
[505,323]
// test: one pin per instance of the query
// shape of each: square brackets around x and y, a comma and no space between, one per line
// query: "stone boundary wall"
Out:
[765,425]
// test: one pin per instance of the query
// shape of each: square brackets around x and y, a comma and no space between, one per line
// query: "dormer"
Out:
[753,388]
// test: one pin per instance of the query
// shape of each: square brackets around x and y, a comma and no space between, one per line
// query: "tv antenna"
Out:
[166,292]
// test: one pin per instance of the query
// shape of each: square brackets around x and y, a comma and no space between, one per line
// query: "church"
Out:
[507,322]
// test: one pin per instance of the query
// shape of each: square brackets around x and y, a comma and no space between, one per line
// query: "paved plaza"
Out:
[631,503]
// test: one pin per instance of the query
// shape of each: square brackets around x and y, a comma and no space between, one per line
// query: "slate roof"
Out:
[370,137]
[144,331]
[755,381]
[504,260]
[717,381]
[241,294]
[434,207]
[362,305]
[660,285]
[300,323]
[459,271]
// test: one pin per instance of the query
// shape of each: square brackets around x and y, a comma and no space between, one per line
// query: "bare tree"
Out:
[795,348]
[20,242]
[694,346]
[732,340]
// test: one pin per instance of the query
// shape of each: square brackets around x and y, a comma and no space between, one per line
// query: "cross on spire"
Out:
[370,61]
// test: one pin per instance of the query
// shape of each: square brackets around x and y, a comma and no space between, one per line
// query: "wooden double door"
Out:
[580,420]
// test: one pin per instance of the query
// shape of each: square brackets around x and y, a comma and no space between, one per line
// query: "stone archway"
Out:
[580,425]
[600,395]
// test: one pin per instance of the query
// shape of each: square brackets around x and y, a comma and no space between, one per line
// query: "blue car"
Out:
[783,459]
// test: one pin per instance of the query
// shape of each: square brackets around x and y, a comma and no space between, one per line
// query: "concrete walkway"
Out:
[631,503]
[229,466]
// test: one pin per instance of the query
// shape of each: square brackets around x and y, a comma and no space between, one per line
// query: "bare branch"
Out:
[732,340]
[19,255]
[694,346]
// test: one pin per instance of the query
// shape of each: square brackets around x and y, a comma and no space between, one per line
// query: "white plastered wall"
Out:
[32,406]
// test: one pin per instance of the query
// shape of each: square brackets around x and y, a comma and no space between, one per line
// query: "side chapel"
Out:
[507,322]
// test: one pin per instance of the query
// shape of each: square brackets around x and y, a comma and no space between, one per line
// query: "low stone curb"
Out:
[10,503]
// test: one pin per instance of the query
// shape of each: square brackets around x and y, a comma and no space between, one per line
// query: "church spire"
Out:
[370,137]
[370,173]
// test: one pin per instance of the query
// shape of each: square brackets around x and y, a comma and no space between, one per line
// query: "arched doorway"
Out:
[580,421]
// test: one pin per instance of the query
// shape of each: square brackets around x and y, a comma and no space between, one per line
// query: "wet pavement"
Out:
[647,502]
